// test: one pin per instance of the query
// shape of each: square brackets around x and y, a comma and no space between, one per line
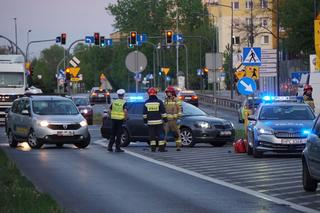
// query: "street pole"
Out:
[28,36]
[177,45]
[278,49]
[315,9]
[16,34]
[231,63]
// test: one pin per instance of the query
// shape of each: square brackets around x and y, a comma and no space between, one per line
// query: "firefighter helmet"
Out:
[152,91]
[307,87]
[171,90]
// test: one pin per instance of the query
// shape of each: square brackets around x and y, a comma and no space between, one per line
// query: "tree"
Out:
[296,18]
[46,67]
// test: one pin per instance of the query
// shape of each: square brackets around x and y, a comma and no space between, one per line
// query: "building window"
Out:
[248,21]
[265,39]
[249,4]
[264,22]
[235,5]
[264,4]
[236,40]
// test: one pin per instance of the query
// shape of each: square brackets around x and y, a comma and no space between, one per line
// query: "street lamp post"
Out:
[29,31]
[15,32]
[231,44]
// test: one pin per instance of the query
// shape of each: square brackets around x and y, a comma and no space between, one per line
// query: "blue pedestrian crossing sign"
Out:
[251,56]
[246,86]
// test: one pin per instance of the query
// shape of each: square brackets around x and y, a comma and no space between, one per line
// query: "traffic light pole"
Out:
[15,45]
[32,42]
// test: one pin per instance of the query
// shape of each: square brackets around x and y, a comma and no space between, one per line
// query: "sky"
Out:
[49,18]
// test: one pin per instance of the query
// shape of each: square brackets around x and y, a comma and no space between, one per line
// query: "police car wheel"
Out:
[309,184]
[125,138]
[256,153]
[11,140]
[186,137]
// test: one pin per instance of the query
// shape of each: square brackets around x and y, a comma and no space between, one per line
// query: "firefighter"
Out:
[173,110]
[119,113]
[307,95]
[154,115]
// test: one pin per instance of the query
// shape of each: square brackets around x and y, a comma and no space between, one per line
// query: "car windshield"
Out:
[190,110]
[81,101]
[11,79]
[54,107]
[286,113]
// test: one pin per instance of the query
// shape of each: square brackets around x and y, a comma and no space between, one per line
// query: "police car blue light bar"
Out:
[306,131]
[136,98]
[282,98]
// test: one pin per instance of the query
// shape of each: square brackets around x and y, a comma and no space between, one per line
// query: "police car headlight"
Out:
[85,111]
[83,123]
[203,125]
[262,131]
[44,123]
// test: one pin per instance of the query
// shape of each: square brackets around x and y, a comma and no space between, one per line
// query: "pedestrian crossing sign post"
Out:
[251,56]
[252,72]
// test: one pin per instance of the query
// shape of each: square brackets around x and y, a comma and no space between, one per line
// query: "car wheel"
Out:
[33,142]
[186,137]
[309,184]
[256,153]
[83,144]
[125,138]
[218,144]
[60,145]
[11,140]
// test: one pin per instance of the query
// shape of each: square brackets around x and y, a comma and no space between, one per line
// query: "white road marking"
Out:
[220,182]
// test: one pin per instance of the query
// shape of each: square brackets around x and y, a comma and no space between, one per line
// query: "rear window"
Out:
[135,108]
[100,91]
[187,93]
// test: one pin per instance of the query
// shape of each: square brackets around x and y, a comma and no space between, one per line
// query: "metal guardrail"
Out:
[233,105]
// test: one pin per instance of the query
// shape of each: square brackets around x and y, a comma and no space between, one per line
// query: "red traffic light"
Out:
[63,38]
[96,38]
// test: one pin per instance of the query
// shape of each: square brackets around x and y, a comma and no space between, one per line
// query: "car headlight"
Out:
[85,111]
[83,123]
[44,123]
[262,131]
[231,124]
[203,124]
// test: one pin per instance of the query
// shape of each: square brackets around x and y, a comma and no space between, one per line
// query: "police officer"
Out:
[173,110]
[119,114]
[307,95]
[154,115]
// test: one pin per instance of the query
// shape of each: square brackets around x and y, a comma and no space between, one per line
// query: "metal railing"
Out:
[233,105]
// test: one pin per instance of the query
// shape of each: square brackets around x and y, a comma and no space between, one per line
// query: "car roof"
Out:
[187,91]
[48,97]
[83,97]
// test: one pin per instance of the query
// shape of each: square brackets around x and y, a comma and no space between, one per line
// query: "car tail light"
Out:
[181,97]
[194,97]
[94,94]
[107,94]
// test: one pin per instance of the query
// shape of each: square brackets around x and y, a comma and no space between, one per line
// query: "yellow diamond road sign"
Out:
[240,74]
[252,72]
[74,71]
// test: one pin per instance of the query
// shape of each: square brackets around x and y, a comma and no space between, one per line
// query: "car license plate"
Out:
[225,133]
[187,98]
[100,95]
[293,141]
[65,133]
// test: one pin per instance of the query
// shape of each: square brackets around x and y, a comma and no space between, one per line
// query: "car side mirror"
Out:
[25,112]
[252,118]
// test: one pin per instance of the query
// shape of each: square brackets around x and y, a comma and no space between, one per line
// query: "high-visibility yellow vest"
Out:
[117,112]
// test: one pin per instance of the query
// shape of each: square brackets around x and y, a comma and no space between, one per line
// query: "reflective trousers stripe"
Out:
[162,143]
[153,143]
[155,122]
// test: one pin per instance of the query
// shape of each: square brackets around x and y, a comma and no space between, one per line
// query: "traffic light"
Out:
[205,70]
[68,74]
[63,38]
[169,35]
[133,37]
[128,42]
[96,38]
[102,41]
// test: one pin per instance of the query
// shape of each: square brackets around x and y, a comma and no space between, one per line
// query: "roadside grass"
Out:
[17,194]
[97,119]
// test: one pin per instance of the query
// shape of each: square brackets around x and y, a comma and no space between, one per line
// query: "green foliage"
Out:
[46,67]
[18,194]
[296,17]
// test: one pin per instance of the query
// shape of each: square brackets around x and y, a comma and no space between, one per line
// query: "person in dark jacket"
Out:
[154,115]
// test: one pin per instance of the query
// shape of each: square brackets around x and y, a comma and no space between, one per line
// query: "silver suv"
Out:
[46,120]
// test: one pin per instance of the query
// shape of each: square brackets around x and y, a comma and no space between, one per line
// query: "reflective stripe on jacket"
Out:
[153,111]
[117,111]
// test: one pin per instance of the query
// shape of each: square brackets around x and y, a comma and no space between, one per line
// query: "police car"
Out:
[280,125]
[195,125]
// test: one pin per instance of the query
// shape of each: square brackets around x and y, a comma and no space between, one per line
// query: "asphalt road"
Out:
[94,180]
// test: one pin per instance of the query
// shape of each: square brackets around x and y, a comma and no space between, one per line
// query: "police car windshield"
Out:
[286,113]
[54,107]
[190,110]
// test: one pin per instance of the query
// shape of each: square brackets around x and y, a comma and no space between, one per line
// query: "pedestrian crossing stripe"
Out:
[252,57]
